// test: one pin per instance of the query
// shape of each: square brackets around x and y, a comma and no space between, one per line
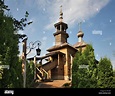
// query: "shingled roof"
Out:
[79,44]
[55,47]
[47,55]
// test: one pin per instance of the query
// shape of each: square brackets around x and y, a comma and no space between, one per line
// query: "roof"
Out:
[37,58]
[47,55]
[61,46]
[80,34]
[58,24]
[79,44]
[54,53]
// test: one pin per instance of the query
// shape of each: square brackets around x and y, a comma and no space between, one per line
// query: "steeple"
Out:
[61,14]
[80,34]
[61,27]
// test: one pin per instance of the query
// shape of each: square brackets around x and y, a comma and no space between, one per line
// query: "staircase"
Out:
[42,73]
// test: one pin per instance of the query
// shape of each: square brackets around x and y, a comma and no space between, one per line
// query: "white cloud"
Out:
[74,10]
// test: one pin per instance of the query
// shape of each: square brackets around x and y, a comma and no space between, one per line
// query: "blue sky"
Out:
[97,17]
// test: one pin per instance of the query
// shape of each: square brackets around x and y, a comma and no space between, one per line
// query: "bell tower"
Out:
[61,27]
[80,44]
[62,50]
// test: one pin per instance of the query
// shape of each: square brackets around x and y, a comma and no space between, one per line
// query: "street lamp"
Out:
[32,45]
[38,51]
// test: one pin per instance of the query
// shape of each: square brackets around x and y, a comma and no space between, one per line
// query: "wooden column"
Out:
[35,67]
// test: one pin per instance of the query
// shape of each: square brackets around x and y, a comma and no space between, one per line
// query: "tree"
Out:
[8,51]
[75,70]
[9,40]
[105,74]
[92,66]
[113,81]
[3,7]
[30,74]
[84,67]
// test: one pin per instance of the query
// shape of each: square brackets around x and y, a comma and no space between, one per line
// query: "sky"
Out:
[97,17]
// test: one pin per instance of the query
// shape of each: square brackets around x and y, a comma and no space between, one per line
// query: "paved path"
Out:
[54,84]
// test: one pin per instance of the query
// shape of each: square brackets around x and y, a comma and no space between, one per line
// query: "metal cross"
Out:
[79,24]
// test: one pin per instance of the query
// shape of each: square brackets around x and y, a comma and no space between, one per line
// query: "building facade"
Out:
[60,56]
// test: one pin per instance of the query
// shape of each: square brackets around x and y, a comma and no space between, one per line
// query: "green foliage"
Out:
[84,77]
[105,74]
[3,7]
[113,83]
[12,77]
[20,24]
[75,70]
[9,52]
[96,75]
[92,66]
[29,73]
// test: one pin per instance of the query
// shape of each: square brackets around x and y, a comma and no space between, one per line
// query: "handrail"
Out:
[40,71]
[45,72]
[39,77]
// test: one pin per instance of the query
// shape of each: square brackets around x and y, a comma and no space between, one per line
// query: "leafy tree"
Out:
[105,74]
[92,65]
[8,51]
[3,7]
[30,74]
[75,70]
[12,77]
[84,69]
[114,73]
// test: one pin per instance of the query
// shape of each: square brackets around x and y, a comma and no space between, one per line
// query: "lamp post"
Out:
[32,45]
[24,61]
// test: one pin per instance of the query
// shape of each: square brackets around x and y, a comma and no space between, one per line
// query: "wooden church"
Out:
[60,56]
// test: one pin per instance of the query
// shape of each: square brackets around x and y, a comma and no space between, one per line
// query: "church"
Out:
[60,56]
